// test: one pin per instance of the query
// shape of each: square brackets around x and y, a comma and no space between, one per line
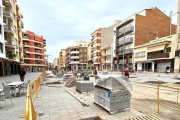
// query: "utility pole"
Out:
[170,15]
[123,53]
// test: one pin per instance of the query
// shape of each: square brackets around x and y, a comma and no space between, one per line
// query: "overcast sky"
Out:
[62,21]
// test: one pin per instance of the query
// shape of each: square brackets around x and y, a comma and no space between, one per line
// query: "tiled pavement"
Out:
[57,104]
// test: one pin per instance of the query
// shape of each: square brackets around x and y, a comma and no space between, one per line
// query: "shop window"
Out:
[80,44]
[168,49]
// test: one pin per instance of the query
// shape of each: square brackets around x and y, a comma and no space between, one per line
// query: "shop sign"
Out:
[1,61]
[161,60]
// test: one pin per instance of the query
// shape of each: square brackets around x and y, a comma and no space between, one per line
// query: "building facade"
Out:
[34,47]
[156,54]
[78,55]
[12,25]
[62,59]
[67,65]
[136,30]
[55,62]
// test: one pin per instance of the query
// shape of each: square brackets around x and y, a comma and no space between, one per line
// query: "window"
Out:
[0,11]
[80,50]
[84,45]
[140,54]
[81,60]
[84,60]
[1,48]
[84,55]
[84,50]
[80,55]
[0,29]
[80,44]
[168,49]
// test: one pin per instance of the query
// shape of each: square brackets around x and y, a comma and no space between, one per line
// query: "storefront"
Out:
[162,64]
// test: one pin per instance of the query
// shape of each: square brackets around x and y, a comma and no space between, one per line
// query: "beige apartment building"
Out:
[156,54]
[13,37]
[100,39]
[62,59]
[55,62]
[78,55]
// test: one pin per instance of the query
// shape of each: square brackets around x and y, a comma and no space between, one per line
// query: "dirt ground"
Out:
[144,98]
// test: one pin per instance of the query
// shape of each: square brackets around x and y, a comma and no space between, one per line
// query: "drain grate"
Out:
[147,117]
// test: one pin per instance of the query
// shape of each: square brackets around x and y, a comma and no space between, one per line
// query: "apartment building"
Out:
[62,59]
[12,25]
[55,62]
[138,29]
[2,42]
[106,57]
[34,47]
[101,38]
[78,55]
[67,65]
[90,65]
[156,54]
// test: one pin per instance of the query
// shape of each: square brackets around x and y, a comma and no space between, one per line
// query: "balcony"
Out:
[108,61]
[8,14]
[20,49]
[73,62]
[44,42]
[8,3]
[126,51]
[20,39]
[37,51]
[121,61]
[9,43]
[25,37]
[9,56]
[74,52]
[74,57]
[96,62]
[8,28]
[161,55]
[126,41]
[38,62]
[125,31]
[22,24]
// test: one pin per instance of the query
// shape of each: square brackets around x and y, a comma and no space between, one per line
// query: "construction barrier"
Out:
[32,92]
[158,98]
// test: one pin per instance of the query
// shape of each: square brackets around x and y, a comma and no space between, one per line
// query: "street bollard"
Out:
[159,74]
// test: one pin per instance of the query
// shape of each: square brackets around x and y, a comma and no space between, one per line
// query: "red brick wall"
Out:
[147,27]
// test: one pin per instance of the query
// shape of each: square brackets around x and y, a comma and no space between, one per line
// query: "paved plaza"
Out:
[57,104]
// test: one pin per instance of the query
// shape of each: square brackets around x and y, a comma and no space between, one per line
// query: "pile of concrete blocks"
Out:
[105,72]
[84,86]
[59,75]
[66,76]
[112,93]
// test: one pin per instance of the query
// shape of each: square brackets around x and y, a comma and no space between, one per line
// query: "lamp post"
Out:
[47,61]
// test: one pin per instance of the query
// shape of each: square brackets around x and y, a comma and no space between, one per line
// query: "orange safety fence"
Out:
[32,92]
[176,89]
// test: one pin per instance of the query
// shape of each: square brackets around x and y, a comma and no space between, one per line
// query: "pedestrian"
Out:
[62,71]
[22,73]
[95,71]
[167,69]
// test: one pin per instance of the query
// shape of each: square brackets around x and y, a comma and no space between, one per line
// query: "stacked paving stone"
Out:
[59,75]
[112,93]
[84,86]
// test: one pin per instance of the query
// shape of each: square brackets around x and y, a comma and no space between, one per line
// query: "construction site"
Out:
[106,96]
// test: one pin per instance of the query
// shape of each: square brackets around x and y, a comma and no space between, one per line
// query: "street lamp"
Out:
[47,60]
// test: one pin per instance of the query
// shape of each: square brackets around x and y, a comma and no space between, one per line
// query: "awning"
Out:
[156,48]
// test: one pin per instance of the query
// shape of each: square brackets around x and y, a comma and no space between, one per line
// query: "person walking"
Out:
[62,71]
[167,69]
[22,74]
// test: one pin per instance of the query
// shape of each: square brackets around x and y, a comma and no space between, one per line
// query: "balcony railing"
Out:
[126,41]
[9,42]
[120,52]
[125,31]
[38,63]
[8,13]
[27,37]
[121,61]
[74,57]
[161,55]
[38,51]
[108,61]
[8,27]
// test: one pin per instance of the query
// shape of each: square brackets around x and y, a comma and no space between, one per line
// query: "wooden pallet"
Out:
[147,117]
[70,81]
[113,112]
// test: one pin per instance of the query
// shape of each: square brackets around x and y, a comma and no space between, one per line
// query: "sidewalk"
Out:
[14,112]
